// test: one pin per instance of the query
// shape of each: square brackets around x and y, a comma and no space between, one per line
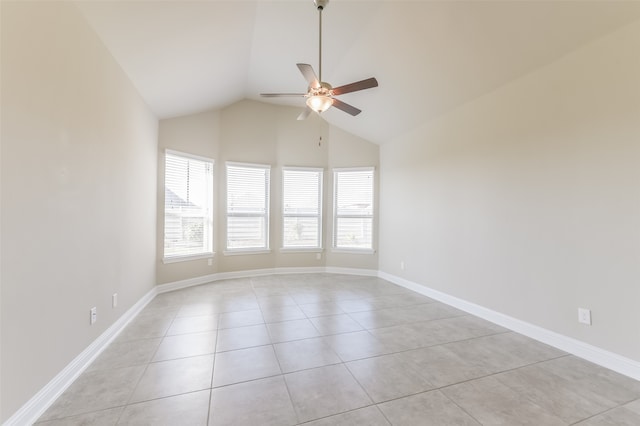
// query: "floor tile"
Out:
[320,309]
[633,406]
[357,305]
[369,416]
[468,326]
[426,409]
[242,337]
[620,416]
[286,331]
[381,318]
[95,390]
[388,377]
[163,301]
[283,313]
[240,318]
[97,418]
[245,364]
[126,354]
[324,391]
[276,301]
[491,402]
[592,379]
[310,295]
[195,324]
[335,324]
[558,396]
[146,327]
[518,350]
[187,409]
[303,354]
[479,356]
[442,367]
[356,345]
[168,378]
[403,299]
[412,336]
[266,291]
[262,402]
[235,303]
[195,309]
[432,311]
[412,355]
[186,345]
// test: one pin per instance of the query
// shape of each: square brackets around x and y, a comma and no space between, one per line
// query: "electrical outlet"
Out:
[402,265]
[584,316]
[114,300]
[318,256]
[93,315]
[210,262]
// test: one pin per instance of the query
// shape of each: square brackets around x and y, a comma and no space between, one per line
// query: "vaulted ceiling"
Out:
[428,56]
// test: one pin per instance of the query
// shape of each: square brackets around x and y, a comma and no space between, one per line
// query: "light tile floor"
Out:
[323,349]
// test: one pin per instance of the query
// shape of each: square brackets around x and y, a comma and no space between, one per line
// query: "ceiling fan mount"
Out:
[320,4]
[320,95]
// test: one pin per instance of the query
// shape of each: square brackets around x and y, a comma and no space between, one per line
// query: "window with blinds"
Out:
[188,209]
[247,207]
[301,208]
[353,208]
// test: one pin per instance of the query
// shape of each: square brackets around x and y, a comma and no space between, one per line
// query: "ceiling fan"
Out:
[321,95]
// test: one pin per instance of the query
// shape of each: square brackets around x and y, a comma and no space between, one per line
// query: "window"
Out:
[302,208]
[247,207]
[353,208]
[188,217]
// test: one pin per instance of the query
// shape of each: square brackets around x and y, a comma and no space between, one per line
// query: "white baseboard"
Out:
[351,271]
[599,356]
[177,285]
[40,402]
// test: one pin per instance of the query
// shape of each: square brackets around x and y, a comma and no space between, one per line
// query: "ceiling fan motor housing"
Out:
[325,89]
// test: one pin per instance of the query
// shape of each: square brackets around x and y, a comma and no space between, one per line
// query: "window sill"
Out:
[301,250]
[187,258]
[246,251]
[353,251]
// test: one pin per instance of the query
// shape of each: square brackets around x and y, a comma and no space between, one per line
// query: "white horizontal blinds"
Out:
[247,206]
[302,206]
[353,208]
[188,187]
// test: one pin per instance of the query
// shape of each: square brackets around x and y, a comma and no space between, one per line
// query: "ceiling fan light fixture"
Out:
[319,103]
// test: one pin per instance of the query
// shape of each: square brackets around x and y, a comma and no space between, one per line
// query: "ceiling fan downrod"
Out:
[320,5]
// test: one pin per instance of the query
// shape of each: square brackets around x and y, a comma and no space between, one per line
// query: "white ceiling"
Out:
[428,56]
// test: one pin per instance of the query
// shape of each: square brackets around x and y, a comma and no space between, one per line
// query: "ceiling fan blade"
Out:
[282,95]
[354,87]
[309,75]
[304,114]
[345,107]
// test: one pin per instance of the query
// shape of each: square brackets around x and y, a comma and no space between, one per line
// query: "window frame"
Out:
[319,247]
[336,216]
[208,242]
[267,195]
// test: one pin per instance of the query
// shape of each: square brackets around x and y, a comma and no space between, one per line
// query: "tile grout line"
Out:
[213,372]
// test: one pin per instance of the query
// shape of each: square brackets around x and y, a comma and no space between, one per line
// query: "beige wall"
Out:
[254,132]
[78,193]
[197,134]
[527,200]
[346,150]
